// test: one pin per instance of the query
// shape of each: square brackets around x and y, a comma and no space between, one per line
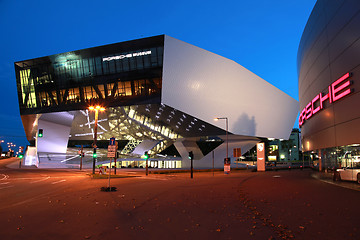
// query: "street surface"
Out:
[68,204]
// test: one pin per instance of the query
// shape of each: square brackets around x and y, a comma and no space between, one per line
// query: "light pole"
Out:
[96,109]
[227,134]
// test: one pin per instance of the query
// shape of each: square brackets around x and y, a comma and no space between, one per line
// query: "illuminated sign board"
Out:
[336,91]
[260,151]
[128,55]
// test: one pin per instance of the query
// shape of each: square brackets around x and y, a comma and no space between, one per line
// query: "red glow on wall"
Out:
[336,91]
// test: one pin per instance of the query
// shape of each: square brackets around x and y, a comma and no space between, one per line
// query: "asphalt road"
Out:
[68,204]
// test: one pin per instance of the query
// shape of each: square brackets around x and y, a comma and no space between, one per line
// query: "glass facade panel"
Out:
[147,61]
[154,58]
[132,63]
[119,67]
[139,63]
[98,66]
[336,157]
[70,80]
[112,67]
[105,67]
[126,66]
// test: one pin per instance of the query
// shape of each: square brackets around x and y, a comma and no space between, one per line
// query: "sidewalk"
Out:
[328,178]
[15,165]
[323,175]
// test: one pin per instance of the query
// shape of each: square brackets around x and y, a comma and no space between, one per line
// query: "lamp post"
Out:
[227,134]
[96,109]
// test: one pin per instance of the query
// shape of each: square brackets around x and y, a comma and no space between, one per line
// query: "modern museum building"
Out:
[160,95]
[329,84]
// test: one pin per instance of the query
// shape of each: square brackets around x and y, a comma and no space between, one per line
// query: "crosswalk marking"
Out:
[43,179]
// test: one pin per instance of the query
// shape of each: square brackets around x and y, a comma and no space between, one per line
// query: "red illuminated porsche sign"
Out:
[337,90]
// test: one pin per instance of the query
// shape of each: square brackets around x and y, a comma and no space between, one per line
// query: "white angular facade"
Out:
[206,85]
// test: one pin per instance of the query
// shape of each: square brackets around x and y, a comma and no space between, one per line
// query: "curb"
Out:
[327,179]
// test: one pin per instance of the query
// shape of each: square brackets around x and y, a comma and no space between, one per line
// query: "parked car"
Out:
[348,174]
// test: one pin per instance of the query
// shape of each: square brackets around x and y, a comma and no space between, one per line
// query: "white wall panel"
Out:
[219,153]
[144,146]
[206,85]
[56,127]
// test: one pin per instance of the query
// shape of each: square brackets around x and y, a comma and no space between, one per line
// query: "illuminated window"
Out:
[28,89]
[121,92]
[128,88]
[110,87]
[102,90]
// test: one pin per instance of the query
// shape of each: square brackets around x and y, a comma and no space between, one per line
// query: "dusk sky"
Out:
[261,35]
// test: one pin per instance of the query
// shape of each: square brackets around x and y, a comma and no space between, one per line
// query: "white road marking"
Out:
[277,176]
[6,187]
[155,178]
[5,183]
[46,175]
[59,181]
[43,179]
[69,158]
[4,177]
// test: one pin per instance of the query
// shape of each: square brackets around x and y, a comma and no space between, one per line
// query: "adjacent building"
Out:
[285,150]
[159,93]
[329,84]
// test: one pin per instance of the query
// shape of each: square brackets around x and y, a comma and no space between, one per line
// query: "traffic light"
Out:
[81,153]
[146,156]
[94,153]
[191,155]
[21,152]
[40,133]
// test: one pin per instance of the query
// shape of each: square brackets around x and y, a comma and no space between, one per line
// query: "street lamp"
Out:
[227,134]
[96,109]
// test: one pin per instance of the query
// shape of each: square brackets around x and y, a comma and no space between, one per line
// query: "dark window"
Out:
[153,59]
[112,66]
[98,63]
[125,64]
[147,61]
[132,63]
[92,70]
[105,67]
[86,67]
[139,62]
[119,66]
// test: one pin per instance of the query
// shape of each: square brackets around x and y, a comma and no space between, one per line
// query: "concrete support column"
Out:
[320,161]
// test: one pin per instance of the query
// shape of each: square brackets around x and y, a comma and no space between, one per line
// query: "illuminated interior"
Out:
[156,122]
